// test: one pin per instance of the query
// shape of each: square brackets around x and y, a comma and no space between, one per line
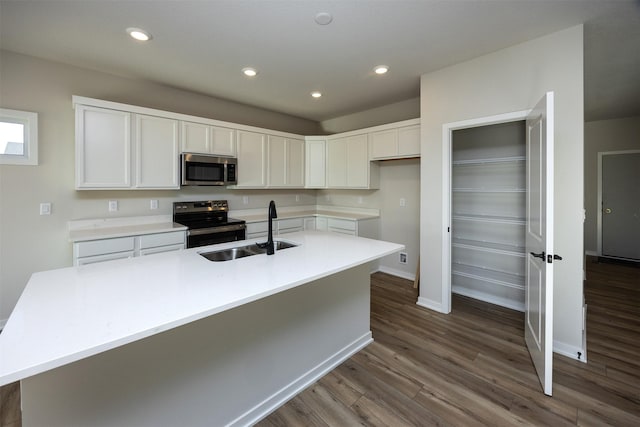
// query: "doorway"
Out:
[488,188]
[619,205]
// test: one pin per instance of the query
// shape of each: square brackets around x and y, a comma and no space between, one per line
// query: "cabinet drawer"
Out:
[257,227]
[105,246]
[102,258]
[290,225]
[161,249]
[342,224]
[161,239]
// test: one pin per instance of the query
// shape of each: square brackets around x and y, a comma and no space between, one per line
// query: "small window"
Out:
[18,137]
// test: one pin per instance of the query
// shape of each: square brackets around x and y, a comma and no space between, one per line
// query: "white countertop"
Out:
[108,228]
[72,313]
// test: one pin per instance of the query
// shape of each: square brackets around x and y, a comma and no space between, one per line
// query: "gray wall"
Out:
[510,80]
[601,136]
[403,110]
[29,242]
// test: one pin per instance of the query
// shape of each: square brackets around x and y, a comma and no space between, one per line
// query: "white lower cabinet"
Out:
[99,250]
[290,225]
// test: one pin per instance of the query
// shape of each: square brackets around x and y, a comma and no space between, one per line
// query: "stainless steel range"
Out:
[208,222]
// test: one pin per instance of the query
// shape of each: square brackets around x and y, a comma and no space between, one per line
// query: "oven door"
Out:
[215,235]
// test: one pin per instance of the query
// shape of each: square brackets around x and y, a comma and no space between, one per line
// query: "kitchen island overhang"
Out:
[209,343]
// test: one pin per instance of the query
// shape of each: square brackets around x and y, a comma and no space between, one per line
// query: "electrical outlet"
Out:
[113,205]
[403,202]
[245,200]
[45,208]
[153,204]
[403,257]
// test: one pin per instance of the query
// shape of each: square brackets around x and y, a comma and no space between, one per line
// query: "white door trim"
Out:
[599,201]
[447,132]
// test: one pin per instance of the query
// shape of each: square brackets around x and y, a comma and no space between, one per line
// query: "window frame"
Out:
[30,150]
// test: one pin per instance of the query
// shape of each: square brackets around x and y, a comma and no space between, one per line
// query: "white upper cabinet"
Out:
[207,139]
[252,159]
[315,162]
[337,163]
[156,155]
[348,163]
[286,162]
[395,143]
[103,148]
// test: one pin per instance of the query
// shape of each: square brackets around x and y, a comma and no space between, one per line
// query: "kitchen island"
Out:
[176,339]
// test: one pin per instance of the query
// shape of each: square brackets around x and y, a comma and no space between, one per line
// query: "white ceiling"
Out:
[202,45]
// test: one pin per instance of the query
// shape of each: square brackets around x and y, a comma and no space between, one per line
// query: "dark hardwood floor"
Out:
[470,367]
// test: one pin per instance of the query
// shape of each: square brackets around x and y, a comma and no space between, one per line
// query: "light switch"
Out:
[45,208]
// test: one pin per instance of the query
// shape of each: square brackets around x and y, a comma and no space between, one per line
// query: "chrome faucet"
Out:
[269,243]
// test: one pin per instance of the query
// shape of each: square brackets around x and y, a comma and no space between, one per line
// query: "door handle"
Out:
[607,211]
[541,255]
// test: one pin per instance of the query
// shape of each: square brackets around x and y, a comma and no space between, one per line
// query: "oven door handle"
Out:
[213,230]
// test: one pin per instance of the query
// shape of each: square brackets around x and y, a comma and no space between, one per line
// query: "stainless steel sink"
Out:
[244,251]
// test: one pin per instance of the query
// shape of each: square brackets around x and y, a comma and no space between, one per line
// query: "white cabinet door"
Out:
[223,141]
[157,149]
[310,223]
[337,163]
[395,143]
[286,162]
[384,144]
[252,159]
[315,163]
[103,148]
[195,137]
[409,141]
[277,161]
[357,161]
[204,139]
[295,163]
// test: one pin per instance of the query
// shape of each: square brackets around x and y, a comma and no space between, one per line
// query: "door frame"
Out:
[447,141]
[601,154]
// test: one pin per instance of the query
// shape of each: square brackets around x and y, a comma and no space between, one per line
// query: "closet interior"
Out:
[488,213]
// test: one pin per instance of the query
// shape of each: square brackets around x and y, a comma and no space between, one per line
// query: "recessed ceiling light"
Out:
[323,18]
[250,72]
[139,34]
[381,69]
[316,94]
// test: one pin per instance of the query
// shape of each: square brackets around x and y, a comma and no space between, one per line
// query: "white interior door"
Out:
[539,240]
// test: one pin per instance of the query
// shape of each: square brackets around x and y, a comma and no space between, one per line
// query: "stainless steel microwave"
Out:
[201,169]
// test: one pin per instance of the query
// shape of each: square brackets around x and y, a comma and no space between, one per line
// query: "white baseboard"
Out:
[431,305]
[397,273]
[491,299]
[570,351]
[286,393]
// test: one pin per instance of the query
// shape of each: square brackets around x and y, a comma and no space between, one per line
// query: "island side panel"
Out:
[231,368]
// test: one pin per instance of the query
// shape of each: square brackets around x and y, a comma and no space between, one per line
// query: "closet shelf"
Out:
[463,216]
[503,278]
[480,245]
[489,160]
[488,190]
